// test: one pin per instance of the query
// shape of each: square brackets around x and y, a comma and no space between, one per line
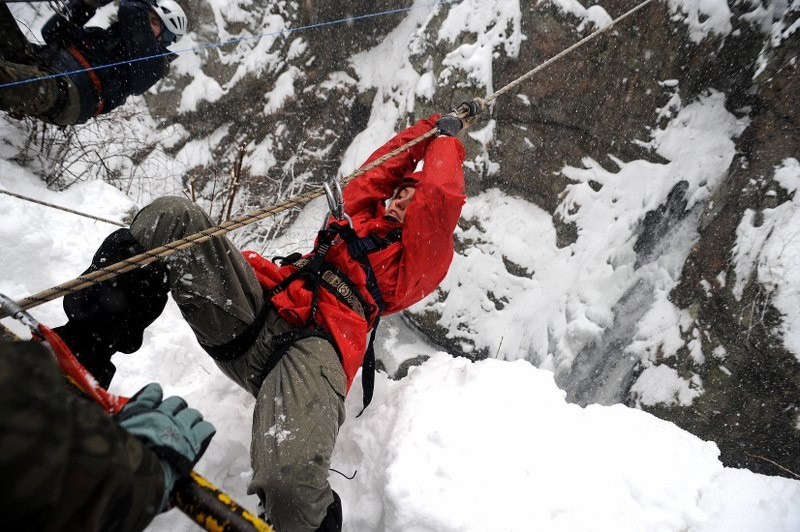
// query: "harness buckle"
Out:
[335,204]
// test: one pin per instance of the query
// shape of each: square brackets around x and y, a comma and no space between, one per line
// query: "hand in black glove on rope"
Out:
[450,125]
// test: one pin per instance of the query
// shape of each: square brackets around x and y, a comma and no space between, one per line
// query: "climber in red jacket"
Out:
[409,266]
[294,335]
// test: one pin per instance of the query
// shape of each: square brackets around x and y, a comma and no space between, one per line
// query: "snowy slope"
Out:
[454,446]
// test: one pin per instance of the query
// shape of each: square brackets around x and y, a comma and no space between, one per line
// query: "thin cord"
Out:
[345,476]
[776,464]
[220,44]
[60,208]
[564,52]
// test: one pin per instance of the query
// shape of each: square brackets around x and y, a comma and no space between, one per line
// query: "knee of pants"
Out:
[177,207]
[166,219]
[292,502]
[281,489]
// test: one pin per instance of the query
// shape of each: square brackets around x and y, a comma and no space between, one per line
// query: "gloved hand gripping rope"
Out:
[461,117]
[178,435]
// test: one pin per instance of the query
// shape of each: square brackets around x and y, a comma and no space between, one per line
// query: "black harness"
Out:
[317,273]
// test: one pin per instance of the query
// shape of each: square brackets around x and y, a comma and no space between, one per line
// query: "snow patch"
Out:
[703,17]
[771,249]
[662,385]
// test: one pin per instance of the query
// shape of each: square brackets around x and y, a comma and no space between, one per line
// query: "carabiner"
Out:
[335,204]
[335,199]
[11,309]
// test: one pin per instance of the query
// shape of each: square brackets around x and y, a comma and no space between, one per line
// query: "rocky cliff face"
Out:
[752,409]
[294,99]
[595,102]
[598,101]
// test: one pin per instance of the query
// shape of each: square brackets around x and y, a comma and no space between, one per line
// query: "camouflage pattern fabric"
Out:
[64,463]
[37,98]
[54,100]
[6,335]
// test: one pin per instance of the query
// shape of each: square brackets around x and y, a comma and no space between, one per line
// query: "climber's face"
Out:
[399,204]
[155,24]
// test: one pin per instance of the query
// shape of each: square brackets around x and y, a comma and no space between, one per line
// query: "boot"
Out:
[333,519]
[91,350]
[111,316]
[331,523]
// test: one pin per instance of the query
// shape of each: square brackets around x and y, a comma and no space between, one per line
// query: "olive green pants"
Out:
[299,405]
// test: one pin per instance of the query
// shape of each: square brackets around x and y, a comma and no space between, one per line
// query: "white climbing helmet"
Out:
[172,16]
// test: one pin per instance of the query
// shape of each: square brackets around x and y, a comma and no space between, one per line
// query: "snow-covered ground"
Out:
[454,446]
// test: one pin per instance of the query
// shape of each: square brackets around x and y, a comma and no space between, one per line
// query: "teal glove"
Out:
[177,434]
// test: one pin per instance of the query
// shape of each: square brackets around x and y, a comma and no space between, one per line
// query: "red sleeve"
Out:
[430,221]
[368,191]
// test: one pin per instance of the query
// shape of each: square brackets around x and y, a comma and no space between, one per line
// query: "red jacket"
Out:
[407,270]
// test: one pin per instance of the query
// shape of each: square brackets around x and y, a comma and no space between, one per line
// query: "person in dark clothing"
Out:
[67,465]
[73,79]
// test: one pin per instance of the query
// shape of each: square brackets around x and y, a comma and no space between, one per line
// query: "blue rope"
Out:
[225,43]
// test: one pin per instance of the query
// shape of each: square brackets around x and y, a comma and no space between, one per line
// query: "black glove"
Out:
[449,125]
[468,111]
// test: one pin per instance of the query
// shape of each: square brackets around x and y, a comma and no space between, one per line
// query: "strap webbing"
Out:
[356,247]
[373,242]
[368,369]
[312,271]
[241,343]
[282,342]
[93,77]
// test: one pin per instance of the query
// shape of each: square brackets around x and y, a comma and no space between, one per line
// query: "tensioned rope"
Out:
[220,44]
[155,254]
[60,208]
[566,51]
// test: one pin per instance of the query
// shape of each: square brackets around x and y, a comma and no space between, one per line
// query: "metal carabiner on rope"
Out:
[335,199]
[335,204]
[11,309]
